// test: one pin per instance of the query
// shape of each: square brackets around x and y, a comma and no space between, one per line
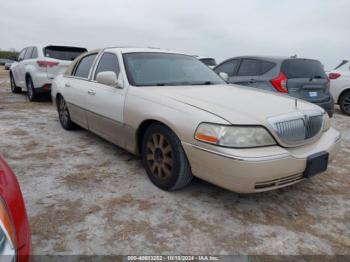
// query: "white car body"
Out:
[33,63]
[340,82]
[110,103]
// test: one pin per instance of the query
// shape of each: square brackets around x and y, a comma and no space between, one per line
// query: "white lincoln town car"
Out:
[184,120]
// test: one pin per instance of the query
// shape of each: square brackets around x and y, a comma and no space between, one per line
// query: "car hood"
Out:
[236,104]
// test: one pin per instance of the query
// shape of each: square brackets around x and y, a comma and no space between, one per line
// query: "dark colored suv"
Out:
[298,77]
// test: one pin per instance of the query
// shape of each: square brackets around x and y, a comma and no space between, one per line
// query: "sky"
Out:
[220,29]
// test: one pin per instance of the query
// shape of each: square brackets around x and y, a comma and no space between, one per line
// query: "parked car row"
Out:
[184,120]
[247,125]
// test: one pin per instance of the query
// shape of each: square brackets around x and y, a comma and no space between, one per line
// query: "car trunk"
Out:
[58,58]
[306,80]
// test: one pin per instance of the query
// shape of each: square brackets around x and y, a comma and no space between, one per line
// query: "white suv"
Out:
[37,66]
[340,86]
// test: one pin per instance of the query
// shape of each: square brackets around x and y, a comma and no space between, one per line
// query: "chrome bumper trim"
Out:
[239,158]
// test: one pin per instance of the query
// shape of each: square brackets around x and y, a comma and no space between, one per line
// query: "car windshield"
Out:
[162,69]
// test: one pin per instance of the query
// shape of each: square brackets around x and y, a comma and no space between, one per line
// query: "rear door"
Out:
[250,73]
[105,103]
[77,87]
[306,79]
[58,58]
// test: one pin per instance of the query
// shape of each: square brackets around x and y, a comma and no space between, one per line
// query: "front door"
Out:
[105,103]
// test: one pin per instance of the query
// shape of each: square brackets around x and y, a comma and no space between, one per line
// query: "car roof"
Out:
[276,59]
[141,50]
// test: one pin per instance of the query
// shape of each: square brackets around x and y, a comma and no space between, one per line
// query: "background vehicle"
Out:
[300,78]
[15,236]
[340,86]
[184,120]
[8,65]
[209,61]
[4,61]
[36,66]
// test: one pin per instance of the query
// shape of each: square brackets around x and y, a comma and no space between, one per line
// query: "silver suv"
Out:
[37,66]
[298,77]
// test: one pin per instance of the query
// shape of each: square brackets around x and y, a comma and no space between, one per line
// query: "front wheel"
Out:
[164,158]
[32,96]
[14,89]
[63,114]
[344,103]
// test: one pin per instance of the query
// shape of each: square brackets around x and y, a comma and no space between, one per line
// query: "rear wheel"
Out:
[14,89]
[164,159]
[63,114]
[32,96]
[344,103]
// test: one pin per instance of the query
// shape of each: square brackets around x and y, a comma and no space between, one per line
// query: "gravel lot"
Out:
[86,196]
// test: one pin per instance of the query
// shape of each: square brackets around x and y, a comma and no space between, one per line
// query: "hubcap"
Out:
[346,104]
[63,112]
[159,156]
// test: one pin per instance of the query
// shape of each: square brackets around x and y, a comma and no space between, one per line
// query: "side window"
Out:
[252,67]
[84,66]
[28,53]
[108,62]
[229,67]
[21,55]
[34,53]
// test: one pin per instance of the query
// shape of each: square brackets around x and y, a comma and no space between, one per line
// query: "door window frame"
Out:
[91,68]
[93,73]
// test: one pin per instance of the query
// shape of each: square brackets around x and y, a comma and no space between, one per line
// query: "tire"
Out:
[164,159]
[344,103]
[14,89]
[63,114]
[32,96]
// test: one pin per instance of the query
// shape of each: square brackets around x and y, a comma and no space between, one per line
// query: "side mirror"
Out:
[224,76]
[108,78]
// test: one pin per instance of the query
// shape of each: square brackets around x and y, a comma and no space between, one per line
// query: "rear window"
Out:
[303,68]
[208,61]
[63,52]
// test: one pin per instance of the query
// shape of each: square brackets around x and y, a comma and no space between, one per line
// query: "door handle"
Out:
[67,85]
[252,81]
[91,92]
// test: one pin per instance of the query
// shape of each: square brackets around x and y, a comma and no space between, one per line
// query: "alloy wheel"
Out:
[346,104]
[63,112]
[30,89]
[159,156]
[12,84]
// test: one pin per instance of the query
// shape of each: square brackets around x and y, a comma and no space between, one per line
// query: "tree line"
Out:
[8,55]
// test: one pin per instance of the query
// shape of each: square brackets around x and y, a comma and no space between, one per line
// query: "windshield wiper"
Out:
[204,83]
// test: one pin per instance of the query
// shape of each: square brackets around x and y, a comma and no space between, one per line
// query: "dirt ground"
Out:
[86,196]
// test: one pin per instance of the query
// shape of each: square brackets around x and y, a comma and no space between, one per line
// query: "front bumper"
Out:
[257,169]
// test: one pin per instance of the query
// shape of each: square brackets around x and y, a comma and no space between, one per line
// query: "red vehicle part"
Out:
[12,199]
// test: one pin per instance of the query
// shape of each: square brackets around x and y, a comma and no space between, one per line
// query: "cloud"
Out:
[222,28]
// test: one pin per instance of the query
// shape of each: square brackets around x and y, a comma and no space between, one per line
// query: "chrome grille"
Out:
[299,127]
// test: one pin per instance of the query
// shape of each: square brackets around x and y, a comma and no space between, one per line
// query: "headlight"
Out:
[326,122]
[7,234]
[234,136]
